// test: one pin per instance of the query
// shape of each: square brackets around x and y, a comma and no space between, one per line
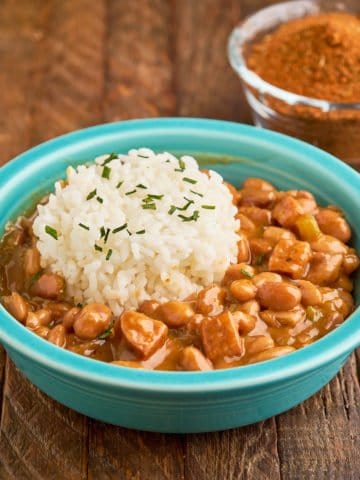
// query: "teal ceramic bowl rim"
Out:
[339,343]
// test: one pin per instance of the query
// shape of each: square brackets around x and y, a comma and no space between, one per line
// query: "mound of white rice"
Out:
[142,226]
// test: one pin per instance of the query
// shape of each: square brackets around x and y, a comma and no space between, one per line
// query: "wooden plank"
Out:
[61,64]
[139,65]
[244,453]
[139,84]
[320,438]
[206,84]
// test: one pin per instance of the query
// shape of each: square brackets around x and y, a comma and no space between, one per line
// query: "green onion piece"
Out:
[156,197]
[85,227]
[140,232]
[112,156]
[106,235]
[140,185]
[193,217]
[35,277]
[99,199]
[108,255]
[118,229]
[259,259]
[107,332]
[246,273]
[128,231]
[80,305]
[208,207]
[51,231]
[171,209]
[186,206]
[142,156]
[102,232]
[97,248]
[196,215]
[189,180]
[149,206]
[131,192]
[196,193]
[106,172]
[91,195]
[119,184]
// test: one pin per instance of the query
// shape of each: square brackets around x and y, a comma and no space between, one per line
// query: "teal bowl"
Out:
[182,401]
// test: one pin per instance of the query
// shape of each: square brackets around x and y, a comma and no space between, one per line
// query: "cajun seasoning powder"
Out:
[319,57]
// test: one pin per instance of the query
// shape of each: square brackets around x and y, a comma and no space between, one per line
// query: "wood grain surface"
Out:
[66,64]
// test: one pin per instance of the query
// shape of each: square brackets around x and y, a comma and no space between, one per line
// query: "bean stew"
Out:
[290,287]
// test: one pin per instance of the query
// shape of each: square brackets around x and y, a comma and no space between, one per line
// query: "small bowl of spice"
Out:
[299,63]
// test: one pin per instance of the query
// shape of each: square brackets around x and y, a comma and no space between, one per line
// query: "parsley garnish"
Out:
[128,231]
[140,185]
[259,259]
[193,217]
[85,227]
[182,166]
[118,229]
[189,180]
[108,255]
[106,235]
[35,277]
[51,231]
[140,232]
[107,332]
[91,195]
[171,209]
[196,193]
[156,197]
[97,248]
[131,192]
[208,207]
[112,156]
[102,232]
[119,184]
[149,206]
[106,172]
[99,199]
[246,273]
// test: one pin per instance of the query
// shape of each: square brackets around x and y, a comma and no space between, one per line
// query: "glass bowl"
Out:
[329,125]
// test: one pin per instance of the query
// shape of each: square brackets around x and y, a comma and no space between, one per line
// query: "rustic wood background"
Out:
[67,64]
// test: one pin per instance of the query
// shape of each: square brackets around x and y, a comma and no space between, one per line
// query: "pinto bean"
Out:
[328,244]
[191,359]
[265,277]
[31,262]
[345,283]
[258,343]
[324,268]
[243,250]
[16,306]
[245,322]
[274,234]
[44,315]
[176,314]
[286,211]
[278,295]
[246,225]
[310,293]
[283,318]
[258,184]
[271,353]
[350,262]
[43,332]
[58,309]
[210,300]
[251,307]
[49,285]
[256,197]
[144,334]
[238,271]
[334,224]
[243,290]
[70,317]
[92,321]
[150,308]
[57,336]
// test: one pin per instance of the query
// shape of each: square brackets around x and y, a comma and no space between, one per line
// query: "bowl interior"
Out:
[235,151]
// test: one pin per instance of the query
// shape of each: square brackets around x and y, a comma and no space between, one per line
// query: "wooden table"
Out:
[68,64]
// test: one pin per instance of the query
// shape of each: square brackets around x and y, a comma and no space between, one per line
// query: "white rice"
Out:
[171,260]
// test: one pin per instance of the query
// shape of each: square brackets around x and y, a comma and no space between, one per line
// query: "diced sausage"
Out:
[334,224]
[286,211]
[260,246]
[310,293]
[49,285]
[92,321]
[176,314]
[220,337]
[274,234]
[57,336]
[255,197]
[259,216]
[210,300]
[144,334]
[16,306]
[278,296]
[258,184]
[290,257]
[191,359]
[246,225]
[271,353]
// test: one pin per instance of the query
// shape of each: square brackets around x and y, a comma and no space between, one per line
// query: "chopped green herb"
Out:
[97,248]
[155,197]
[107,332]
[131,192]
[91,195]
[108,255]
[171,209]
[193,217]
[119,184]
[35,277]
[149,206]
[196,193]
[186,206]
[208,207]
[140,185]
[140,232]
[79,305]
[128,231]
[181,166]
[142,156]
[189,180]
[99,199]
[259,259]
[106,172]
[167,161]
[106,235]
[85,227]
[246,273]
[102,232]
[51,231]
[112,156]
[118,229]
